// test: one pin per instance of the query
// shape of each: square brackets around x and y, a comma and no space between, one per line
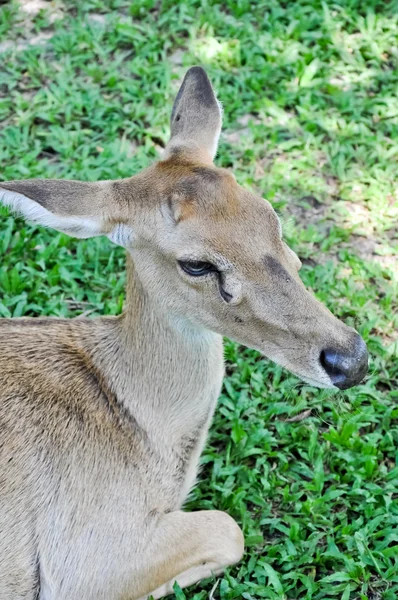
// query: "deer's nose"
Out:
[346,368]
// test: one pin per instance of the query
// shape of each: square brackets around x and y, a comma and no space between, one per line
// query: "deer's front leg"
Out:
[188,547]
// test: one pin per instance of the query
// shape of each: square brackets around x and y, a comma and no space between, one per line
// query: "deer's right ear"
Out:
[196,118]
[78,208]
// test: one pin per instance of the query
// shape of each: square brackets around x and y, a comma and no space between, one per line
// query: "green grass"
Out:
[310,95]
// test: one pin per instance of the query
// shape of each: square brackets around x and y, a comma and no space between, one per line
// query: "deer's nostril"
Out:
[346,368]
[330,361]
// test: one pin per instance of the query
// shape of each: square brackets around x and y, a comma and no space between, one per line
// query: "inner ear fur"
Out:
[63,197]
[78,208]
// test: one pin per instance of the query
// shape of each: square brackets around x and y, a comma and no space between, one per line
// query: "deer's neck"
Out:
[168,372]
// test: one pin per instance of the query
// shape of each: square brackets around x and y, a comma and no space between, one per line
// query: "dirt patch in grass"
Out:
[365,241]
[26,33]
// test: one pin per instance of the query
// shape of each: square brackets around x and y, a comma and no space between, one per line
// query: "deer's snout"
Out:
[346,368]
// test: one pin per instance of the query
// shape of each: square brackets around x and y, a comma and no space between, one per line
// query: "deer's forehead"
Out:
[214,195]
[242,216]
[246,235]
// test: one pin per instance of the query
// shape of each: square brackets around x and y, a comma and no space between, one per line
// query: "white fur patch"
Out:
[122,235]
[80,227]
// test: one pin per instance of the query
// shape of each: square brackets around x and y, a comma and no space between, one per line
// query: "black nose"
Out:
[346,368]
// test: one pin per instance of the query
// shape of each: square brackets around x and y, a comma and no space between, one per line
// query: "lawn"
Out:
[310,96]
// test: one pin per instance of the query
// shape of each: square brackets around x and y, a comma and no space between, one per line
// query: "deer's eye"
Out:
[197,268]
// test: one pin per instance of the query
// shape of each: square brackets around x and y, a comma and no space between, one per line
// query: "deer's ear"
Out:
[78,208]
[196,117]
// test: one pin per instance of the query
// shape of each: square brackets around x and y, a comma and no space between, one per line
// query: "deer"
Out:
[103,420]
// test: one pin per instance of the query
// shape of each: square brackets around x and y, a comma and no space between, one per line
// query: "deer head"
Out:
[209,253]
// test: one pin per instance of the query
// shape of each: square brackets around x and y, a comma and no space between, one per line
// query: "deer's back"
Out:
[53,404]
[49,385]
[53,398]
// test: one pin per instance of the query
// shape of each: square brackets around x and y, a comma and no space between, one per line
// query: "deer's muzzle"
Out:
[346,369]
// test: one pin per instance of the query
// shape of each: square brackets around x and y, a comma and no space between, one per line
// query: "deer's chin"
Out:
[314,377]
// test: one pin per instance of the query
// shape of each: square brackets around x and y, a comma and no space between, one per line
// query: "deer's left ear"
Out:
[196,118]
[80,209]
